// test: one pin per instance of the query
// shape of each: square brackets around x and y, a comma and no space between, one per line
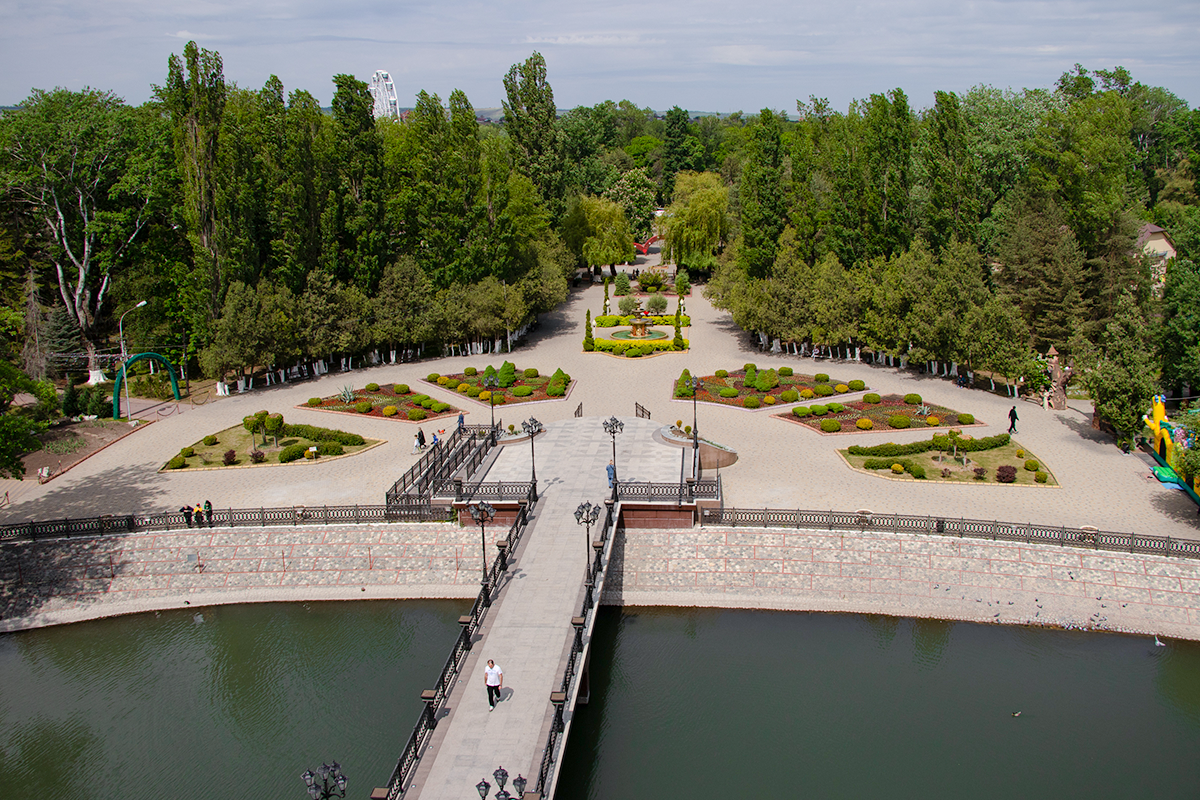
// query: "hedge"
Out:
[291,453]
[617,320]
[943,443]
[417,414]
[315,434]
[916,470]
[329,449]
[619,346]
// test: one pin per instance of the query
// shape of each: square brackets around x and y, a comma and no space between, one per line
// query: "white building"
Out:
[384,92]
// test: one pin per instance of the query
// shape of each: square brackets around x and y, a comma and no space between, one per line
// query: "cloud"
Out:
[593,39]
[755,55]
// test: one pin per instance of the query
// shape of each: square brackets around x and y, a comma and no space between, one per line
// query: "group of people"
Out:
[200,513]
[419,439]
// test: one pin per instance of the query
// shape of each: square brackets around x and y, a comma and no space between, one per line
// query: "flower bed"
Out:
[751,387]
[989,460]
[891,412]
[257,442]
[389,401]
[516,385]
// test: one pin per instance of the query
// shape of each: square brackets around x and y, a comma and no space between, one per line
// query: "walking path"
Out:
[528,631]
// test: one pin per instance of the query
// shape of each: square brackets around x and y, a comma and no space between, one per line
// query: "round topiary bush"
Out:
[1032,466]
[872,398]
[470,371]
[363,408]
[899,421]
[966,419]
[428,402]
[789,396]
[841,388]
[390,411]
[917,471]
[831,425]
[498,399]
[932,421]
[819,410]
[752,402]
[463,388]
[453,383]
[417,414]
[913,399]
[807,394]
[835,408]
[330,448]
[418,398]
[485,396]
[801,411]
[443,380]
[372,387]
[722,373]
[531,372]
[210,440]
[178,462]
[823,389]
[1006,473]
[728,392]
[785,372]
[821,377]
[314,401]
[475,391]
[432,377]
[400,388]
[1041,477]
[522,391]
[898,469]
[864,424]
[1020,454]
[769,400]
[857,385]
[187,452]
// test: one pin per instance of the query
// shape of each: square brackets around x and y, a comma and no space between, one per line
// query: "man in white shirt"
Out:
[493,679]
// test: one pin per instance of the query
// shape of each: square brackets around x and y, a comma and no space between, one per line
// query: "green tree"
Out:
[763,194]
[1123,376]
[19,427]
[589,343]
[951,184]
[634,192]
[1179,343]
[530,117]
[697,223]
[608,240]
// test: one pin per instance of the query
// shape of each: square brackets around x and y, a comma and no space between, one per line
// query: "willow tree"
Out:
[697,222]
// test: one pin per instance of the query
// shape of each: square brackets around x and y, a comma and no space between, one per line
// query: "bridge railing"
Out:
[493,491]
[646,491]
[435,698]
[222,518]
[441,460]
[959,527]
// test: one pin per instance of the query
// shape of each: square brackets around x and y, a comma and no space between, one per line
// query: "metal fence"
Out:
[959,527]
[435,698]
[579,410]
[640,411]
[223,518]
[645,491]
[495,491]
[466,446]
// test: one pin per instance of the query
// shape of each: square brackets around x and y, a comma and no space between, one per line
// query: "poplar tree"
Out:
[530,117]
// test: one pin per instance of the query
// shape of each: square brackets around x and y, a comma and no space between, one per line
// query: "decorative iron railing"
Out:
[645,491]
[224,518]
[961,527]
[640,411]
[435,698]
[494,491]
[470,443]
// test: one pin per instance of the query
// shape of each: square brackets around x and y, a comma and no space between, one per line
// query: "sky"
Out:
[700,55]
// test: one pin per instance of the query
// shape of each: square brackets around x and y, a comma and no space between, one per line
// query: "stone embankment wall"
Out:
[66,580]
[907,575]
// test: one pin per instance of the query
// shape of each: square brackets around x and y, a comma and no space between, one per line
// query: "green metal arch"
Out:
[121,377]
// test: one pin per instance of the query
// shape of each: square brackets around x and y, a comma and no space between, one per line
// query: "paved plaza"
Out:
[780,464]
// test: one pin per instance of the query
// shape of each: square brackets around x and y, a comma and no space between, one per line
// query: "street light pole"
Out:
[696,385]
[531,426]
[326,772]
[613,426]
[490,382]
[586,515]
[483,513]
[125,358]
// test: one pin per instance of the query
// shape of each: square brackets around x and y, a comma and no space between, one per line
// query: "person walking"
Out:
[416,443]
[611,469]
[1012,420]
[208,512]
[461,421]
[421,438]
[493,679]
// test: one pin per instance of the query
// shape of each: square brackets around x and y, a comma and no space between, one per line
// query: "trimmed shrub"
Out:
[917,471]
[752,402]
[821,377]
[507,374]
[1020,454]
[621,284]
[769,400]
[841,388]
[980,473]
[864,424]
[823,390]
[187,452]
[819,410]
[807,394]
[628,304]
[418,398]
[473,391]
[531,372]
[390,411]
[329,448]
[428,402]
[1006,473]
[785,372]
[966,419]
[872,398]
[856,385]
[835,408]
[831,425]
[417,414]
[556,390]
[315,434]
[210,440]
[722,373]
[913,399]
[522,391]
[1041,477]
[363,408]
[463,388]
[178,462]
[749,368]
[498,399]
[728,392]
[944,443]
[442,380]
[314,401]
[932,421]
[470,371]
[657,304]
[801,411]
[1032,466]
[372,387]
[257,456]
[767,380]
[750,379]
[899,421]
[439,408]
[898,469]
[432,377]
[789,396]
[453,383]
[291,453]
[400,388]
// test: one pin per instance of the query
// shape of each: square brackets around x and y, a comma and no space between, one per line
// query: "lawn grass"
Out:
[242,443]
[988,459]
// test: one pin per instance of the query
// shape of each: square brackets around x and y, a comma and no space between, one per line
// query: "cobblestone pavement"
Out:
[908,575]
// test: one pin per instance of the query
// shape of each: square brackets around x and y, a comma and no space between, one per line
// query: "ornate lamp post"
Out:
[696,385]
[586,515]
[531,426]
[333,782]
[490,382]
[501,778]
[613,426]
[483,513]
[125,359]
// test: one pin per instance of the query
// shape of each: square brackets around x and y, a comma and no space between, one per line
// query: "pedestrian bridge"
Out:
[536,614]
